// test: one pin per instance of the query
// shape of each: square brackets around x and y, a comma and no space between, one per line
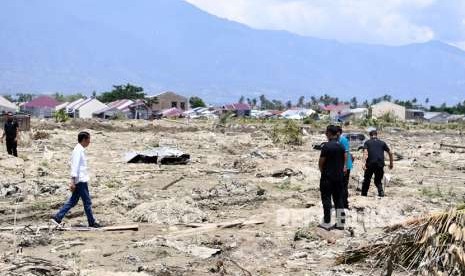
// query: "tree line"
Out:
[314,102]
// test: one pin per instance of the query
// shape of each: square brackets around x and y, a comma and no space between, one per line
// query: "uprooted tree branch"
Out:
[432,245]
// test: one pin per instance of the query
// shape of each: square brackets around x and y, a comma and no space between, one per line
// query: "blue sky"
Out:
[390,22]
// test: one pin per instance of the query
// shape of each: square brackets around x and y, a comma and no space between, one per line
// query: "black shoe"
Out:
[55,221]
[337,227]
[381,194]
[95,225]
[325,226]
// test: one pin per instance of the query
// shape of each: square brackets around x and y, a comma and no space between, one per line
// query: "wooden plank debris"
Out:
[451,146]
[209,227]
[113,228]
[129,227]
[219,172]
[172,183]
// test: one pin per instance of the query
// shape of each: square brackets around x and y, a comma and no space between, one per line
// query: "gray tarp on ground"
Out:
[160,155]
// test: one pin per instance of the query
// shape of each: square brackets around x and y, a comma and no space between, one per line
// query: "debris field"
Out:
[241,204]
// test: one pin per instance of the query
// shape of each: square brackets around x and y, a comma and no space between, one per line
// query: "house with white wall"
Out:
[384,108]
[86,108]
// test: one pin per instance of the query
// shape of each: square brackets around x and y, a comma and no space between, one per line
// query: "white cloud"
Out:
[392,22]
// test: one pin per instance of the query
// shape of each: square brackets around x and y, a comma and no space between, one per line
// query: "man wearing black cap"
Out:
[10,131]
[332,164]
[373,156]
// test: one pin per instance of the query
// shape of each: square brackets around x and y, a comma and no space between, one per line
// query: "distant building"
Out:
[61,106]
[240,109]
[42,107]
[140,110]
[70,107]
[167,100]
[415,114]
[456,118]
[354,114]
[86,108]
[359,113]
[297,114]
[384,108]
[115,109]
[171,113]
[437,117]
[23,120]
[7,106]
[336,111]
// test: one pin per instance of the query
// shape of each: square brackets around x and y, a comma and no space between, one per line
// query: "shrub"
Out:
[288,133]
[225,118]
[61,116]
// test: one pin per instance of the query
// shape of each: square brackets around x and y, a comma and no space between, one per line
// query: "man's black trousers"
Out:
[378,171]
[332,189]
[11,146]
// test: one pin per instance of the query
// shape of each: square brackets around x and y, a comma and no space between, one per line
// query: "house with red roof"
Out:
[337,110]
[41,107]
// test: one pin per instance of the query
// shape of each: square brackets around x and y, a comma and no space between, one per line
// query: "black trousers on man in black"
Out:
[378,171]
[345,194]
[332,189]
[11,147]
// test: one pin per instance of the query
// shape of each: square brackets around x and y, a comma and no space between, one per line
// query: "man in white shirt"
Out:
[78,185]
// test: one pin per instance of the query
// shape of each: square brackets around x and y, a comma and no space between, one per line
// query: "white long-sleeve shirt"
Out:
[79,164]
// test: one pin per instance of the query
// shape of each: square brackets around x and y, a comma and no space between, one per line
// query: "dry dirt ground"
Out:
[228,179]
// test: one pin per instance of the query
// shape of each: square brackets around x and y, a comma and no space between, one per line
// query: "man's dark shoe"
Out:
[325,226]
[95,225]
[338,227]
[381,194]
[55,221]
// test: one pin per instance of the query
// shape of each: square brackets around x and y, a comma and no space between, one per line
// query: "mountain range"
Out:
[86,45]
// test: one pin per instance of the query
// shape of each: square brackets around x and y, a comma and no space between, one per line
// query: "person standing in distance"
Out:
[373,156]
[11,132]
[79,183]
[332,166]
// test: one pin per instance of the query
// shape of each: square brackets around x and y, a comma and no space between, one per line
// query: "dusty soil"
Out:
[230,178]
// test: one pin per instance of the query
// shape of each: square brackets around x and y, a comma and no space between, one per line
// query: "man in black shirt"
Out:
[332,164]
[10,131]
[373,155]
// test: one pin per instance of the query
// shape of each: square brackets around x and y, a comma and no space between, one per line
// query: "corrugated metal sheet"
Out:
[42,101]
